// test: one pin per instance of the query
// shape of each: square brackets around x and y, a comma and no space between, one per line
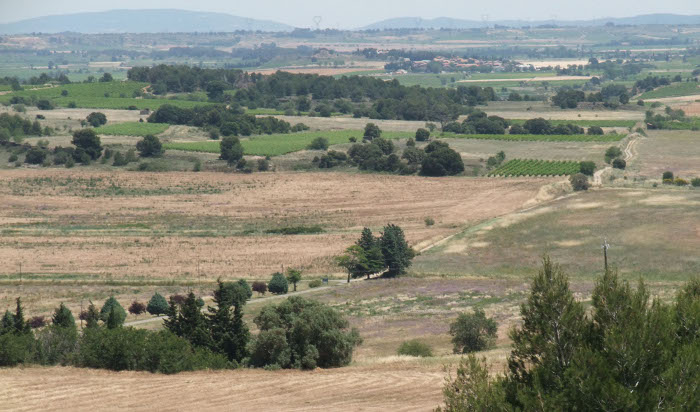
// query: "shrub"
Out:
[680,182]
[319,143]
[243,284]
[278,284]
[13,158]
[35,156]
[56,344]
[473,332]
[37,322]
[214,134]
[579,182]
[15,348]
[422,135]
[695,182]
[303,334]
[372,131]
[667,175]
[231,150]
[150,146]
[612,153]
[45,105]
[429,221]
[517,129]
[136,308]
[119,160]
[587,168]
[416,348]
[154,166]
[96,119]
[442,162]
[263,165]
[619,163]
[315,283]
[89,142]
[595,130]
[260,287]
[157,305]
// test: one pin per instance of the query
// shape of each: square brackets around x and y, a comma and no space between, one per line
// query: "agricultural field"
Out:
[101,95]
[610,137]
[132,129]
[136,226]
[674,90]
[530,167]
[279,144]
[662,150]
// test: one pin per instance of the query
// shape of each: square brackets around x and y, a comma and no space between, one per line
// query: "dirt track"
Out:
[396,387]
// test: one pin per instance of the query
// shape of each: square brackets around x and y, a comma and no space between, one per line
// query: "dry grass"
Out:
[398,386]
[677,151]
[654,233]
[159,226]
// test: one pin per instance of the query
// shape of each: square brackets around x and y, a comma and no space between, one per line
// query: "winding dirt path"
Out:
[629,152]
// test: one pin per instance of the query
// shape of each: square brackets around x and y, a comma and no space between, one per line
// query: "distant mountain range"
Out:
[141,21]
[170,20]
[450,23]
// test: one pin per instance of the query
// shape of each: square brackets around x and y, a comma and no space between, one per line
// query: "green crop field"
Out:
[674,90]
[109,95]
[612,137]
[279,144]
[532,167]
[132,129]
[585,123]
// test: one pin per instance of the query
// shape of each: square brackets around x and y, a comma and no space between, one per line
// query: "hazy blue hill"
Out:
[450,23]
[141,21]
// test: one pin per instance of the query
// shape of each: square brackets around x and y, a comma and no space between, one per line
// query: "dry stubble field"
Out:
[128,226]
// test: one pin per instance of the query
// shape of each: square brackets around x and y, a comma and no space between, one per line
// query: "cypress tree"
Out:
[395,250]
[63,317]
[107,309]
[229,333]
[92,317]
[20,325]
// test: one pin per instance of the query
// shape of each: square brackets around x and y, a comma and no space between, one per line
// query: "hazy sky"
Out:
[356,13]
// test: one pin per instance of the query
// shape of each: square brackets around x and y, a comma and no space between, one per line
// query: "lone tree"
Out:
[157,305]
[395,250]
[150,146]
[231,150]
[372,131]
[119,312]
[88,141]
[278,284]
[579,182]
[473,332]
[96,119]
[294,277]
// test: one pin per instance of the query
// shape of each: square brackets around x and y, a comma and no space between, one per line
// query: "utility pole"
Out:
[606,246]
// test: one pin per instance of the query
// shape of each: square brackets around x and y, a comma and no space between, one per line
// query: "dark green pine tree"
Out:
[172,322]
[372,252]
[229,333]
[8,322]
[63,317]
[21,326]
[92,317]
[113,320]
[193,324]
[395,250]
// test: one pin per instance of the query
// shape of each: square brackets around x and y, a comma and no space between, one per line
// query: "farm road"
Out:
[630,152]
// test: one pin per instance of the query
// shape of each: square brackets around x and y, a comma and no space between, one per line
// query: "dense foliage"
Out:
[371,97]
[629,352]
[388,254]
[303,334]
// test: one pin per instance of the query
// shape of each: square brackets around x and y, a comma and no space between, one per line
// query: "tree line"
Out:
[370,97]
[297,333]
